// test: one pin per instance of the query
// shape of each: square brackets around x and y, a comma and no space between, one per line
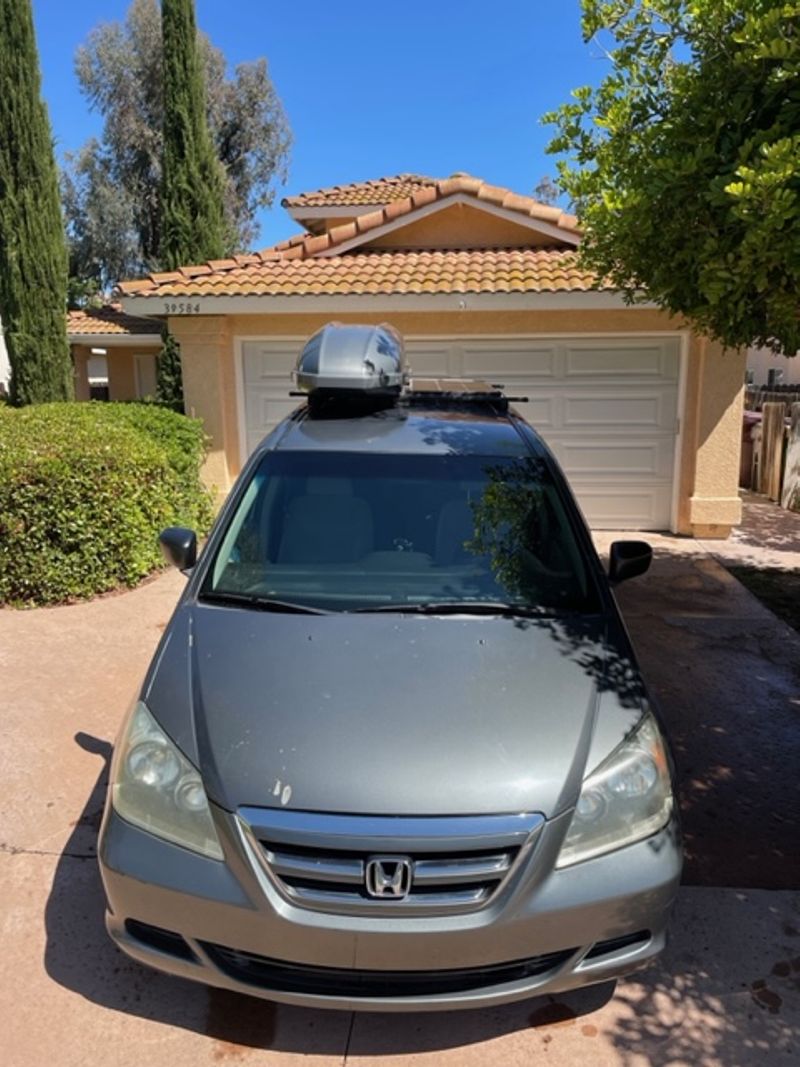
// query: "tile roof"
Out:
[109,319]
[305,244]
[378,191]
[517,270]
[309,264]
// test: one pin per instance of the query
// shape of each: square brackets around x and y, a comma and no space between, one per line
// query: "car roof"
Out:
[440,428]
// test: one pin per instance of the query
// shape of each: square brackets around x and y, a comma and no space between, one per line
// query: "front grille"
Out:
[455,864]
[334,982]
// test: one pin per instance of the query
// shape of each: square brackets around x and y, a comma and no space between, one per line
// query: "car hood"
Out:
[387,714]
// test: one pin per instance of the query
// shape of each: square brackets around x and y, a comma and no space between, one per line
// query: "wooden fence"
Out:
[776,462]
[755,396]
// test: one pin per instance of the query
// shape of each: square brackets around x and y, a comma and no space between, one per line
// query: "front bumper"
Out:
[552,931]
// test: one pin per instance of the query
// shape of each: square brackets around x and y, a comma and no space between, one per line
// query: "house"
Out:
[765,368]
[114,354]
[644,415]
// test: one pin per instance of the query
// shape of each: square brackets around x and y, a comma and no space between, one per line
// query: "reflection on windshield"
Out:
[355,531]
[521,528]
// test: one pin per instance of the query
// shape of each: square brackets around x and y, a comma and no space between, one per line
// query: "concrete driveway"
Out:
[727,674]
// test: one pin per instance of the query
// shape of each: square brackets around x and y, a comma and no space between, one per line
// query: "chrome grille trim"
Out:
[317,861]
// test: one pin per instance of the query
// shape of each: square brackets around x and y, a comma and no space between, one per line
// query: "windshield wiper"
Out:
[259,603]
[461,607]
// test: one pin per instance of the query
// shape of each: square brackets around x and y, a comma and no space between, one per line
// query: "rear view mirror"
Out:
[179,547]
[628,559]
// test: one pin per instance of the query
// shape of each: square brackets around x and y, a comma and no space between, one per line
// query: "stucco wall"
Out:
[711,430]
[209,390]
[761,361]
[462,226]
[121,374]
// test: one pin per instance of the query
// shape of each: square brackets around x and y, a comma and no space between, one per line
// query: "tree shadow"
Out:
[727,684]
[722,991]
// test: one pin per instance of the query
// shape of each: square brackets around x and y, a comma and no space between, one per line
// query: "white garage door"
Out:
[607,407]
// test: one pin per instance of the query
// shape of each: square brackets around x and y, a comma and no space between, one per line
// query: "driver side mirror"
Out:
[628,559]
[179,547]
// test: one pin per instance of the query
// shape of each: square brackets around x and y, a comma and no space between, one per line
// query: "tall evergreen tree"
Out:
[33,255]
[193,215]
[193,224]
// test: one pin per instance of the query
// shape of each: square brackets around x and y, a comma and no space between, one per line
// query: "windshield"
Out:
[360,531]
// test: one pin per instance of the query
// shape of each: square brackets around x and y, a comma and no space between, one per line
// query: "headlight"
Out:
[155,787]
[627,798]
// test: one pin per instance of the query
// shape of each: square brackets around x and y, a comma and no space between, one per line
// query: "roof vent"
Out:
[352,359]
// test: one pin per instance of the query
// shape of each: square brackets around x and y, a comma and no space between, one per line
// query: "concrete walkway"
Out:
[727,674]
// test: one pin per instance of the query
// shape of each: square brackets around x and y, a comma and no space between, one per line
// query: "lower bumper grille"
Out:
[333,982]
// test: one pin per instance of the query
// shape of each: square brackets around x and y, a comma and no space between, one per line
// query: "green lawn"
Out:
[776,589]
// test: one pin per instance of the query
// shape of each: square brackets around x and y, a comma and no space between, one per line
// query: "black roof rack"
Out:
[447,392]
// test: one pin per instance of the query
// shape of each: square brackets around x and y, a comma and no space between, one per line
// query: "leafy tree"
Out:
[192,221]
[33,260]
[684,161]
[112,187]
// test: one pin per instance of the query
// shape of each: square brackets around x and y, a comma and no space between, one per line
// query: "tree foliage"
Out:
[112,186]
[193,218]
[33,261]
[684,163]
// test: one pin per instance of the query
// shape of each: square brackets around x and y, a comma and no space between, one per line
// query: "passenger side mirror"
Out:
[179,547]
[628,559]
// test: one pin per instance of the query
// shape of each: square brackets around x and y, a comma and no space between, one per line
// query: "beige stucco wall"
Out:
[462,226]
[121,361]
[80,366]
[209,390]
[121,374]
[709,462]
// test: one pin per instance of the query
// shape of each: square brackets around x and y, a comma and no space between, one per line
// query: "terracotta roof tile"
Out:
[273,270]
[357,194]
[109,319]
[528,270]
[440,190]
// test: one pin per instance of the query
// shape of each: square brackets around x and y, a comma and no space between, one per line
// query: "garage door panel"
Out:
[270,362]
[616,460]
[629,363]
[539,411]
[633,508]
[433,361]
[627,412]
[511,363]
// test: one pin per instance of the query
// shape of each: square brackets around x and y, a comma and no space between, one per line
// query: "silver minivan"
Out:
[393,751]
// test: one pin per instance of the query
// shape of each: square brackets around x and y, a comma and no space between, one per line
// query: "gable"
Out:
[461,226]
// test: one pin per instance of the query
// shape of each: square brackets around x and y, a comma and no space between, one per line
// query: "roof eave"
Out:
[557,300]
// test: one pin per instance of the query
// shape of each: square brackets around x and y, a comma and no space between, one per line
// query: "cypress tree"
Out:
[193,220]
[193,224]
[33,255]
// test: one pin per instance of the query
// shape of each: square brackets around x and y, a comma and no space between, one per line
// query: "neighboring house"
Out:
[114,353]
[644,416]
[760,361]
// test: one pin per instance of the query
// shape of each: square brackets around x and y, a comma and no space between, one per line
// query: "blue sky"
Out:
[372,89]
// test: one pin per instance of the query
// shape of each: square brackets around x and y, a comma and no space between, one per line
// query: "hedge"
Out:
[84,491]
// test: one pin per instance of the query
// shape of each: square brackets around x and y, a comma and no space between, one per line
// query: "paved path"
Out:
[726,992]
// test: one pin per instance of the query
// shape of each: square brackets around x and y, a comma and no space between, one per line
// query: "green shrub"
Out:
[84,491]
[184,443]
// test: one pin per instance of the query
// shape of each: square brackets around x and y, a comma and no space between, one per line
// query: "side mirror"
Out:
[179,547]
[628,559]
